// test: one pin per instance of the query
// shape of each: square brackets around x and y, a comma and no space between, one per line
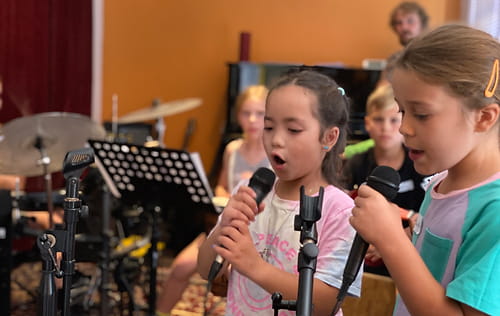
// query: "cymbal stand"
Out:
[160,128]
[45,161]
[160,125]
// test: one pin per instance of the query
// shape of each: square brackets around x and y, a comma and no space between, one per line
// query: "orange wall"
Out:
[177,49]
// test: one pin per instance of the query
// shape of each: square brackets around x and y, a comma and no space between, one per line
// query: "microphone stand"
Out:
[105,254]
[154,257]
[48,284]
[305,222]
[63,240]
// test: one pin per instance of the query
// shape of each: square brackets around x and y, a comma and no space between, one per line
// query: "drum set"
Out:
[36,146]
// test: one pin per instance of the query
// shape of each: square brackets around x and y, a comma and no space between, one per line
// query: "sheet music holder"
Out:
[143,174]
[154,178]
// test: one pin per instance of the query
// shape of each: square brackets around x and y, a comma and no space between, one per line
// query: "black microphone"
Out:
[385,181]
[261,182]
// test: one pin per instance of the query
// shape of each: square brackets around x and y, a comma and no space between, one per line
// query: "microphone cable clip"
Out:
[305,222]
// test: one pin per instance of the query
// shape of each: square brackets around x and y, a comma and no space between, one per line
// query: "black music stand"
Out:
[155,178]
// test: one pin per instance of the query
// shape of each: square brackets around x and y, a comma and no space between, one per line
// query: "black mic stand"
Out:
[105,255]
[48,284]
[305,222]
[63,240]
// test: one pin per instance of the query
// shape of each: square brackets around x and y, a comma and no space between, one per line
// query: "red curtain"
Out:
[45,61]
[45,56]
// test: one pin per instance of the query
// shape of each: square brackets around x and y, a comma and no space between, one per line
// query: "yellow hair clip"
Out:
[493,82]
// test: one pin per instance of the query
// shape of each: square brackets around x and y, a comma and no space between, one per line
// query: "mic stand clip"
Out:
[45,243]
[305,222]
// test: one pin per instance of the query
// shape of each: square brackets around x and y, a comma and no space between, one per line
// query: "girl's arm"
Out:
[242,207]
[422,294]
[379,223]
[206,254]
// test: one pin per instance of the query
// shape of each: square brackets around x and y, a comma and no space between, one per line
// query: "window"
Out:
[483,14]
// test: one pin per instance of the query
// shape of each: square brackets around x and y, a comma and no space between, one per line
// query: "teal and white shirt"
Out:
[458,237]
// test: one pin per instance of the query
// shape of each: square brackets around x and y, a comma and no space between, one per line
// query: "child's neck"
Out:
[393,157]
[474,169]
[253,144]
[290,190]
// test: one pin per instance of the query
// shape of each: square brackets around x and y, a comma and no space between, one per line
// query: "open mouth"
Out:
[278,160]
[415,154]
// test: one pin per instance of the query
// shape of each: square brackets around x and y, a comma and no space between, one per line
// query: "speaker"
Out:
[5,248]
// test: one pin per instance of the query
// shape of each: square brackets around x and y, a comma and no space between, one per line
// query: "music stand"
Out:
[155,177]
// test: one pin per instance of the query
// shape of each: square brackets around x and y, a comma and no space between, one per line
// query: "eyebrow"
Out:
[413,103]
[287,119]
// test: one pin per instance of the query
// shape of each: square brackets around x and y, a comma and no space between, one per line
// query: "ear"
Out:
[331,136]
[487,117]
[368,122]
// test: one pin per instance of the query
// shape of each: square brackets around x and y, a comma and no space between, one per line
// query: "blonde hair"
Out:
[253,92]
[380,99]
[458,57]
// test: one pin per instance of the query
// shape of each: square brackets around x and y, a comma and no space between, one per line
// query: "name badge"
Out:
[418,224]
[406,186]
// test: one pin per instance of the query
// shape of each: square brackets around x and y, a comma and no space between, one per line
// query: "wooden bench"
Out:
[378,295]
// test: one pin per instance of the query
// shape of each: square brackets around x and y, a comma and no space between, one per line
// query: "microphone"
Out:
[385,181]
[261,182]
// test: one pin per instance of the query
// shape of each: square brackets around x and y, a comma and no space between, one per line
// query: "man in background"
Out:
[408,20]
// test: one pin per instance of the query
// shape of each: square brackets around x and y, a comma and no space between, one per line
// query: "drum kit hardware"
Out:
[36,145]
[159,110]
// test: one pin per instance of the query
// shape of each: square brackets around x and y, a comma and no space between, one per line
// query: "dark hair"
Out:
[410,7]
[332,110]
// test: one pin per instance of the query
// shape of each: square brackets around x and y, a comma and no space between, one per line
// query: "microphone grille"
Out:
[264,178]
[384,180]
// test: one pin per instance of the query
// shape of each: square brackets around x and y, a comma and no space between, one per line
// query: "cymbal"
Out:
[158,111]
[55,132]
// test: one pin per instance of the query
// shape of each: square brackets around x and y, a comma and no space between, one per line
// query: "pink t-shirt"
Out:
[278,243]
